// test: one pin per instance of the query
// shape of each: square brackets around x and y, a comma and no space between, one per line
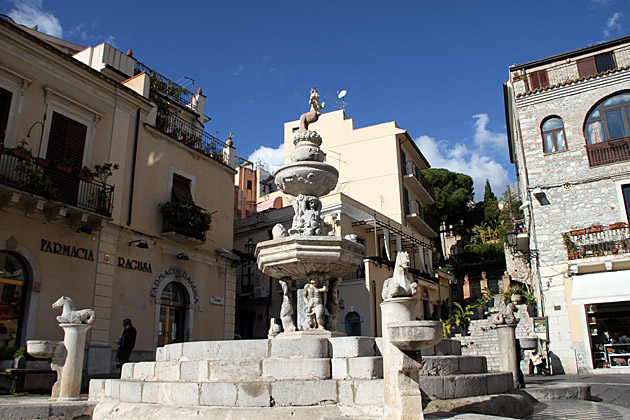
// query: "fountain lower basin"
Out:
[300,256]
[414,335]
[43,349]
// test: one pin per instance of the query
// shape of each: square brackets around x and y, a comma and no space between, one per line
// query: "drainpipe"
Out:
[133,166]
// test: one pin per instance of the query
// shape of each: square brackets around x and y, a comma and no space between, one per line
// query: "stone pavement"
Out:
[577,410]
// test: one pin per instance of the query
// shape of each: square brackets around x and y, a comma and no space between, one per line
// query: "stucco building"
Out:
[568,119]
[112,203]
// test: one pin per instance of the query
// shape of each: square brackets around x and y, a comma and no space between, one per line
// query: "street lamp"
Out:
[511,239]
[250,247]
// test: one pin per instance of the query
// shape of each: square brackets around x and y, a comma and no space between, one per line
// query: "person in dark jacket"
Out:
[126,342]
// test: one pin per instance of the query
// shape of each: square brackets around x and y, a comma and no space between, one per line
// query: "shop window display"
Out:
[12,280]
[609,328]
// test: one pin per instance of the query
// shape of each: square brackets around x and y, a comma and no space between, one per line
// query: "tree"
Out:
[490,207]
[452,192]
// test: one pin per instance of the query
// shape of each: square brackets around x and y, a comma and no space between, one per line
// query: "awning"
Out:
[613,286]
[274,203]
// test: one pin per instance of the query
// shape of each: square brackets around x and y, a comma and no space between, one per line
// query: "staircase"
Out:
[482,338]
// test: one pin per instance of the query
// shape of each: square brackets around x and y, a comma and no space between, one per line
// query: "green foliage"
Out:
[20,394]
[490,206]
[104,171]
[482,248]
[194,219]
[446,327]
[452,192]
[520,289]
[462,315]
[486,296]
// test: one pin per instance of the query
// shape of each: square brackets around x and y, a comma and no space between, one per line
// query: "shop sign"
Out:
[134,265]
[177,273]
[541,328]
[66,250]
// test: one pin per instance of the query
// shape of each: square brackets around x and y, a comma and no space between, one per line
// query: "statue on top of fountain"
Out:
[316,110]
[400,284]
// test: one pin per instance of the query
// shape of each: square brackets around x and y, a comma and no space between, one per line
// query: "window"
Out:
[553,135]
[538,79]
[5,104]
[625,191]
[65,145]
[596,64]
[249,184]
[181,192]
[609,120]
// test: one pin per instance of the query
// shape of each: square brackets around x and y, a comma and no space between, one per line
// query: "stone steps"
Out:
[344,371]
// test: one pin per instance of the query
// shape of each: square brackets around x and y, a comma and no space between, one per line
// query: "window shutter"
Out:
[181,190]
[538,79]
[586,67]
[5,104]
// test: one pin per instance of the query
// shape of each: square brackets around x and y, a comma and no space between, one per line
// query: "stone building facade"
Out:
[568,119]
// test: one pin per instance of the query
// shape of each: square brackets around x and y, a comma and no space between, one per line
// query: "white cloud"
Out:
[613,25]
[486,138]
[31,12]
[274,158]
[479,163]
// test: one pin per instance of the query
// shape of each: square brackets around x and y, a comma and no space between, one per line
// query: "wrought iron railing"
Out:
[44,179]
[414,207]
[166,87]
[597,241]
[186,220]
[611,151]
[358,274]
[194,137]
[241,162]
[412,169]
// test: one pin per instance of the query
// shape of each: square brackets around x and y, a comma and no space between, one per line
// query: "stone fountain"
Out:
[307,255]
[67,355]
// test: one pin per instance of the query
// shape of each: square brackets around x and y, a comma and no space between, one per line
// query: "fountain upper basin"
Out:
[307,178]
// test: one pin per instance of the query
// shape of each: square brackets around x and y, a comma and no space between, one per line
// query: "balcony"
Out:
[596,241]
[413,179]
[166,87]
[185,223]
[35,185]
[611,151]
[423,223]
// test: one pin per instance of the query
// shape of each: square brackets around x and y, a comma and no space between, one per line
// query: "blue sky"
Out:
[436,68]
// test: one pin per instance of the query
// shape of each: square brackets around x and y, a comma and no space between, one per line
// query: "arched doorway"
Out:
[353,324]
[173,302]
[13,282]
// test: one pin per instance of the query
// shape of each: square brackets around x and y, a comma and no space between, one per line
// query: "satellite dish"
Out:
[342,94]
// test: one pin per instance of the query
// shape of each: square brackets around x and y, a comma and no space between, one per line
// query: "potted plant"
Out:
[530,300]
[462,317]
[595,229]
[21,152]
[514,293]
[65,165]
[85,174]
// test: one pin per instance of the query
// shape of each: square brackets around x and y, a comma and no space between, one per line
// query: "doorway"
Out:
[172,314]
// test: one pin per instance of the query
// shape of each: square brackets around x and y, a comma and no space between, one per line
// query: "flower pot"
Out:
[618,225]
[578,232]
[42,162]
[64,169]
[20,154]
[595,229]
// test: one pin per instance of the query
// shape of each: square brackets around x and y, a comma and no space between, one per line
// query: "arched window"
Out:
[172,314]
[12,290]
[553,135]
[609,120]
[353,324]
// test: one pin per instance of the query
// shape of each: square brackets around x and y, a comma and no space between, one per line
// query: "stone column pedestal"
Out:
[403,400]
[74,341]
[508,357]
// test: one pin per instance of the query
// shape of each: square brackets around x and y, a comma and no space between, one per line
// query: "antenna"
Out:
[341,101]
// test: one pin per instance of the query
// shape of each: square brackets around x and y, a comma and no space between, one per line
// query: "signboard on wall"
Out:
[541,328]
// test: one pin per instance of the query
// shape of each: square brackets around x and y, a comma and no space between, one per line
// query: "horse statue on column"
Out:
[69,315]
